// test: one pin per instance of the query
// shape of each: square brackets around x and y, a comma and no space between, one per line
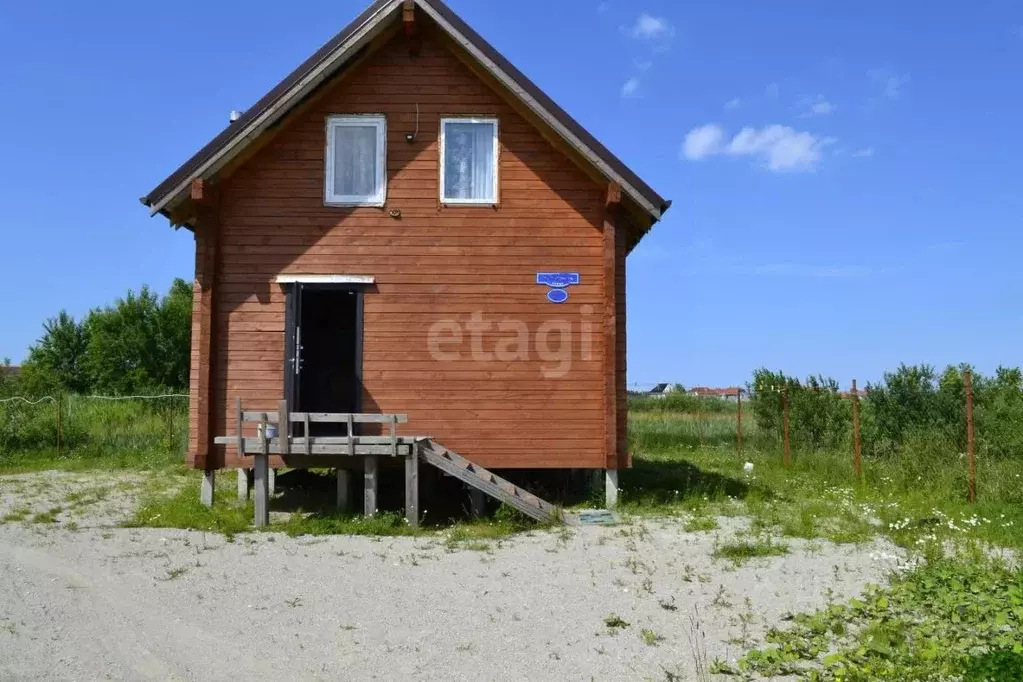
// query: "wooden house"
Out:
[406,225]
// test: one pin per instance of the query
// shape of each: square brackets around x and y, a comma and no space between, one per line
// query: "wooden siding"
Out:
[434,263]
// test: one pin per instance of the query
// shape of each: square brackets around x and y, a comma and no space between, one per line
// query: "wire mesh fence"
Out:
[80,427]
[956,424]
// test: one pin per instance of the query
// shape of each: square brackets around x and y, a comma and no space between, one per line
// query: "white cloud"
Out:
[772,91]
[779,148]
[703,141]
[733,103]
[631,87]
[643,64]
[822,108]
[891,83]
[864,153]
[816,106]
[893,87]
[651,28]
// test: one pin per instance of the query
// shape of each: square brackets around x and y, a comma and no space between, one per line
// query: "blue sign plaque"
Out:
[557,295]
[558,280]
[558,283]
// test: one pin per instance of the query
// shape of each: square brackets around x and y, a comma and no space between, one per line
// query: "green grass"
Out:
[129,434]
[18,514]
[174,503]
[958,617]
[699,524]
[48,516]
[818,496]
[739,550]
[49,460]
[951,618]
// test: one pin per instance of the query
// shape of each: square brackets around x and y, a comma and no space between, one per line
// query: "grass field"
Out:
[93,434]
[819,494]
[955,613]
[956,616]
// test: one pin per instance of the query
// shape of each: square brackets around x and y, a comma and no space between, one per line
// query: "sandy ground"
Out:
[83,599]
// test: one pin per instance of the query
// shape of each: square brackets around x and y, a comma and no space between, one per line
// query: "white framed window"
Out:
[356,161]
[468,160]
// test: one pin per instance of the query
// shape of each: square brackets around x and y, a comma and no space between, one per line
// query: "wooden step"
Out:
[487,481]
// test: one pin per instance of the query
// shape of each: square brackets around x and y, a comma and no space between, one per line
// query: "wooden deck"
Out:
[413,448]
[317,445]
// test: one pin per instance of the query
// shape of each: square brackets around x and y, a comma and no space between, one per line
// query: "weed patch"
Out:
[48,516]
[951,618]
[700,524]
[615,622]
[18,514]
[739,551]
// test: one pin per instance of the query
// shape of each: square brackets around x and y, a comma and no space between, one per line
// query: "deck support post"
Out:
[261,478]
[611,488]
[261,490]
[412,488]
[243,485]
[477,502]
[344,480]
[370,479]
[207,487]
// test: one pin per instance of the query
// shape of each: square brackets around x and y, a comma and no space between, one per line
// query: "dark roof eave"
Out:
[160,195]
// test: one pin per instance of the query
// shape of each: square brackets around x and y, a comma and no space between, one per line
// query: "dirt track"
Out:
[102,602]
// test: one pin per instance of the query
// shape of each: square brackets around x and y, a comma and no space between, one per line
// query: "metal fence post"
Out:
[699,417]
[60,401]
[785,423]
[968,381]
[857,462]
[738,418]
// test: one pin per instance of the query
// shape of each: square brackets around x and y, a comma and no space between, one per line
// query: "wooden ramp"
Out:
[500,489]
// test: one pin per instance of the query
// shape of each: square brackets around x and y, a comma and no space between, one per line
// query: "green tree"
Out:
[141,343]
[818,415]
[7,380]
[57,361]
[175,335]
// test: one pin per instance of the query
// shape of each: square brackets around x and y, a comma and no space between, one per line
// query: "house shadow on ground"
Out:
[444,499]
[658,481]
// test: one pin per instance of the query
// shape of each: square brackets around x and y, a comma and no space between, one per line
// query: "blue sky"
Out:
[846,176]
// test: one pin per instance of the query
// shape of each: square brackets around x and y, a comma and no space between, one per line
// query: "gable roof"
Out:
[349,43]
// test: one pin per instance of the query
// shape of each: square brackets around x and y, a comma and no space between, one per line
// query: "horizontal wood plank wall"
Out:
[434,263]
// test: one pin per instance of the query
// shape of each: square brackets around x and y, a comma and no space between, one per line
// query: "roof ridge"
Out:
[336,52]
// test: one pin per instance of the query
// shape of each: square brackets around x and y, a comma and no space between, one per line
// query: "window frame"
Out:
[378,121]
[444,121]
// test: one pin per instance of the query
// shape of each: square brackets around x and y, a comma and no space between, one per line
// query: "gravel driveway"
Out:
[84,599]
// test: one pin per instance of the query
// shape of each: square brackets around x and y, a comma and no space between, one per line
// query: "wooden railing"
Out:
[284,444]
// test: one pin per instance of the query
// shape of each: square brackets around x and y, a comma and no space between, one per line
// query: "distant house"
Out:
[720,393]
[661,390]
